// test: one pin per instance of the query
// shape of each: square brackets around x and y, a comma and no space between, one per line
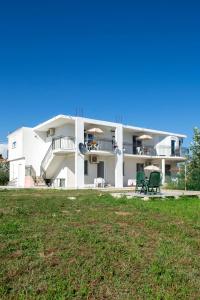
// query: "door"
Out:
[136,144]
[100,169]
[140,168]
[173,148]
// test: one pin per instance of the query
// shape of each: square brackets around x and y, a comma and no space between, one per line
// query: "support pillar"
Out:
[79,158]
[163,171]
[119,157]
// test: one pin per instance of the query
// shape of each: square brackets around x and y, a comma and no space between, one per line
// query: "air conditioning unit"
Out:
[93,159]
[51,132]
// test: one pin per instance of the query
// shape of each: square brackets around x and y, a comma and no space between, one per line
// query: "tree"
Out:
[193,180]
[4,172]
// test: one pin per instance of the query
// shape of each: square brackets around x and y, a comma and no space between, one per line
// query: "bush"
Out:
[175,182]
[4,173]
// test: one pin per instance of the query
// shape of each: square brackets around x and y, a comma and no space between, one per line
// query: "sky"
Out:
[3,150]
[132,61]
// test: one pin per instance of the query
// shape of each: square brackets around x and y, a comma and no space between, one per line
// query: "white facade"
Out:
[51,152]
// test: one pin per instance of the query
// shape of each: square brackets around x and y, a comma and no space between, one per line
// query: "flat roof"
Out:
[60,120]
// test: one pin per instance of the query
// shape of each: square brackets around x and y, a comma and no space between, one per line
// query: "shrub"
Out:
[4,173]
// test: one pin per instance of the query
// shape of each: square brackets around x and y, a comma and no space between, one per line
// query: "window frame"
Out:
[14,144]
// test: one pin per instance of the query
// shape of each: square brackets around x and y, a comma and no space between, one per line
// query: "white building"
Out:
[66,152]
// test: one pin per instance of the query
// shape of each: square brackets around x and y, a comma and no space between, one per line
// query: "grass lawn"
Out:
[97,247]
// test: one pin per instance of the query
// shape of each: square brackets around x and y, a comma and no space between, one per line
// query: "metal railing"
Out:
[168,151]
[46,160]
[140,150]
[63,143]
[99,145]
[184,151]
[154,151]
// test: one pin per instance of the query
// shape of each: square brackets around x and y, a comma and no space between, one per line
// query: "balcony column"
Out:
[119,157]
[79,158]
[163,171]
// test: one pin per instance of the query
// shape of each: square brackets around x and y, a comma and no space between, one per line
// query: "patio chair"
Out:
[152,186]
[99,182]
[140,179]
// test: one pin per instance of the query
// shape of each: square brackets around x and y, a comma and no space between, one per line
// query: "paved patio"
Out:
[164,194]
[129,192]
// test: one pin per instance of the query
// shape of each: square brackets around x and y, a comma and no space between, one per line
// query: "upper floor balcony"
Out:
[66,143]
[100,145]
[149,150]
[99,138]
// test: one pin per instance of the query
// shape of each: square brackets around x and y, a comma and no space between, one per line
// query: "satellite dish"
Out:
[82,148]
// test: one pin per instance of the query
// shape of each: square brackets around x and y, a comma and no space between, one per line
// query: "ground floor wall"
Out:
[92,173]
[63,171]
[64,176]
[130,170]
[132,166]
[17,172]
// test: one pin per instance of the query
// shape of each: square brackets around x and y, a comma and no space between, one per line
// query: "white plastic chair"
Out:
[99,182]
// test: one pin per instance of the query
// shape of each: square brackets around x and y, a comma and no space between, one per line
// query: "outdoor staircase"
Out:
[54,155]
[39,181]
[13,182]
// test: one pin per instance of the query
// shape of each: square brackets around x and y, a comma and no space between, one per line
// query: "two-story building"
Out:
[72,152]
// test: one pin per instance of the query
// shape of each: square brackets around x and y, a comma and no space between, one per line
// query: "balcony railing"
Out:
[168,151]
[154,151]
[142,150]
[99,145]
[63,143]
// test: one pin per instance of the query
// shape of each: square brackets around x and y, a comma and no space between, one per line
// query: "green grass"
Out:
[97,247]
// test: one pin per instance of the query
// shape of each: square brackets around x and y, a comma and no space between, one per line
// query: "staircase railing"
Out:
[60,143]
[63,143]
[45,161]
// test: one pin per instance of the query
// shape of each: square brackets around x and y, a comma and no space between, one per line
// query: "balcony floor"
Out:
[173,158]
[62,151]
[100,152]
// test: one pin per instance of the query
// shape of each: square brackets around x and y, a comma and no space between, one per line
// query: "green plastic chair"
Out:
[152,186]
[140,178]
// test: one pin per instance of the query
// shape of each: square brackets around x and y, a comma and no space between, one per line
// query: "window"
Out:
[62,182]
[168,170]
[85,167]
[123,168]
[136,144]
[14,144]
[173,143]
[140,168]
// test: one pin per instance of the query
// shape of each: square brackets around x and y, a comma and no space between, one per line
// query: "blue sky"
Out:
[132,60]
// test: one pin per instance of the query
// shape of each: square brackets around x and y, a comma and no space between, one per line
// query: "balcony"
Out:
[66,143]
[154,151]
[142,150]
[100,145]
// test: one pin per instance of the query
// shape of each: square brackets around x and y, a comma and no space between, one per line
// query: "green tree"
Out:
[193,180]
[4,173]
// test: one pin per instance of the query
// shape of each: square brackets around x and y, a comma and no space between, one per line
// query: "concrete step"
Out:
[39,181]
